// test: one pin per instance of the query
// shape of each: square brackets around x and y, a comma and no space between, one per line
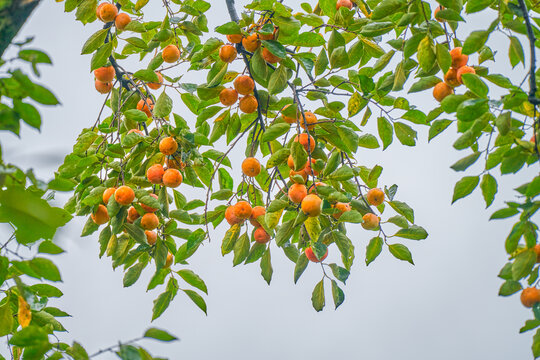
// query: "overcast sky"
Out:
[446,307]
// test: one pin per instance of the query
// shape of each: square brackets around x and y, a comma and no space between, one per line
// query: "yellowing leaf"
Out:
[24,314]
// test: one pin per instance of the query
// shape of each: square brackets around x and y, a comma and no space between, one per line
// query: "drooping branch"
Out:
[232,10]
[13,14]
[532,72]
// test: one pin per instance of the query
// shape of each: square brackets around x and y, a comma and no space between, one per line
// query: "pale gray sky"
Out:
[446,307]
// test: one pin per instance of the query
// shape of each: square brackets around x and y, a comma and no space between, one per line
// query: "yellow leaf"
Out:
[272,219]
[313,228]
[25,314]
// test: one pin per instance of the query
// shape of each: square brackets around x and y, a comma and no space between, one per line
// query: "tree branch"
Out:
[232,10]
[12,18]
[530,34]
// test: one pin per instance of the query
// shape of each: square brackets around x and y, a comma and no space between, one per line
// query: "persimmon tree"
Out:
[297,87]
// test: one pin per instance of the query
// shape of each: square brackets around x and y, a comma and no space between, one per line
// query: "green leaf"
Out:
[444,59]
[193,279]
[354,105]
[278,80]
[426,54]
[504,213]
[197,299]
[275,48]
[424,83]
[509,287]
[162,303]
[135,115]
[401,252]
[241,249]
[463,164]
[474,42]
[515,52]
[464,187]
[477,5]
[133,274]
[373,249]
[403,209]
[475,84]
[489,188]
[536,344]
[158,334]
[6,319]
[386,131]
[317,297]
[278,158]
[163,106]
[414,232]
[274,131]
[46,269]
[301,265]
[266,266]
[29,336]
[368,141]
[405,134]
[340,273]
[386,8]
[472,109]
[101,56]
[229,28]
[48,247]
[437,127]
[529,325]
[95,41]
[523,264]
[337,294]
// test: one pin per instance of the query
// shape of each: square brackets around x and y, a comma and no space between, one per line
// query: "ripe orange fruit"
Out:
[168,146]
[442,90]
[230,217]
[269,57]
[297,193]
[242,210]
[103,88]
[451,77]
[108,12]
[344,3]
[169,260]
[151,237]
[107,194]
[121,21]
[302,173]
[170,54]
[148,208]
[371,221]
[536,249]
[133,215]
[458,59]
[251,167]
[437,9]
[309,170]
[530,296]
[375,197]
[290,162]
[235,38]
[227,53]
[244,85]
[104,74]
[310,254]
[228,96]
[172,178]
[311,119]
[248,104]
[288,120]
[342,207]
[261,236]
[311,205]
[268,36]
[124,195]
[464,70]
[149,221]
[98,10]
[155,173]
[173,162]
[251,42]
[255,213]
[306,140]
[101,216]
[143,106]
[155,86]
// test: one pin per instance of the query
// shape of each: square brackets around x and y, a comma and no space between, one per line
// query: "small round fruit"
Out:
[151,237]
[451,78]
[251,167]
[124,195]
[442,90]
[290,162]
[149,221]
[306,140]
[458,59]
[98,11]
[155,86]
[155,173]
[121,21]
[371,221]
[169,260]
[104,74]
[248,104]
[255,213]
[530,296]
[228,96]
[103,88]
[244,85]
[170,54]
[536,249]
[311,120]
[230,217]
[302,173]
[251,42]
[108,12]
[342,208]
[227,53]
[375,197]
[437,9]
[287,119]
[297,193]
[132,215]
[147,208]
[101,216]
[464,70]
[310,254]
[172,178]
[271,36]
[261,236]
[107,194]
[311,205]
[269,57]
[344,3]
[235,38]
[144,106]
[242,210]
[168,146]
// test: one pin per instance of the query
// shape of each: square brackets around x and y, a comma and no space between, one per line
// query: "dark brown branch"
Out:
[12,18]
